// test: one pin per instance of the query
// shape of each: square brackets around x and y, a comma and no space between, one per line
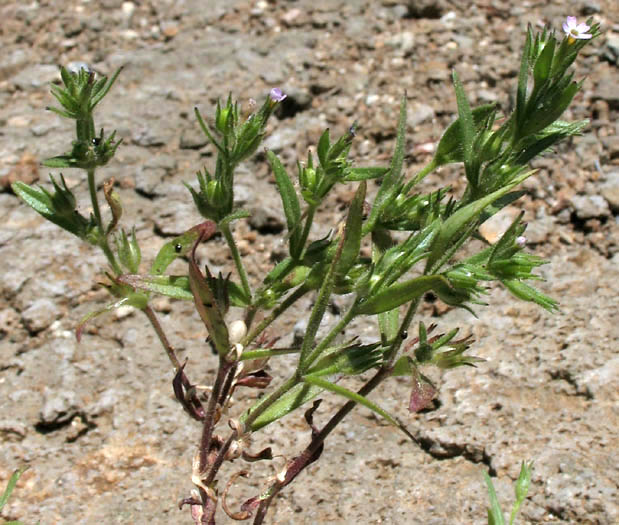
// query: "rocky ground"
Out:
[97,422]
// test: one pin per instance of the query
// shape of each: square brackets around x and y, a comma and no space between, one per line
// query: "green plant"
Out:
[387,283]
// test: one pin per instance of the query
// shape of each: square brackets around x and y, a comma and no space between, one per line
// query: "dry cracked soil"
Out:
[97,422]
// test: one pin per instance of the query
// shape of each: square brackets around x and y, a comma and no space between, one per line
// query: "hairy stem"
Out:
[338,328]
[92,187]
[225,229]
[103,242]
[311,210]
[154,321]
[428,168]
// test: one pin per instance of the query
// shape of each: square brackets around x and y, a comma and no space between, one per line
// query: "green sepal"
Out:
[525,292]
[521,488]
[450,147]
[128,250]
[324,143]
[349,360]
[543,63]
[523,78]
[452,228]
[404,366]
[58,208]
[352,233]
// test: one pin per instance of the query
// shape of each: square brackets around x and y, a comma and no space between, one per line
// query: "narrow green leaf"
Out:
[290,201]
[397,161]
[61,112]
[177,287]
[499,204]
[91,315]
[38,200]
[495,516]
[398,294]
[234,216]
[352,232]
[359,174]
[353,396]
[11,486]
[291,400]
[467,128]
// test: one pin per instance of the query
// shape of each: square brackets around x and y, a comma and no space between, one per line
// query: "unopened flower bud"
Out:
[236,331]
[222,120]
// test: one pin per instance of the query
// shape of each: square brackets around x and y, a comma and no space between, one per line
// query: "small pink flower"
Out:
[521,241]
[277,95]
[575,30]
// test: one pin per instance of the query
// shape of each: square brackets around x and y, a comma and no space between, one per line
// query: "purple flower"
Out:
[521,241]
[277,95]
[574,30]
